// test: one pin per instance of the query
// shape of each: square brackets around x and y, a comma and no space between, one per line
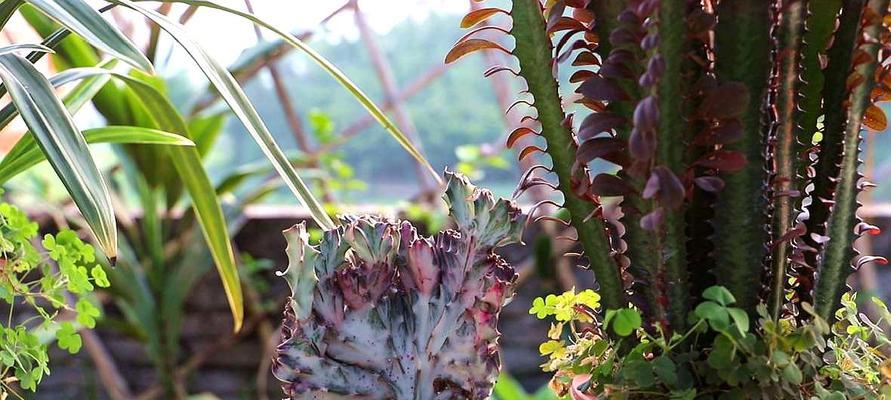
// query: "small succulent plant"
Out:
[378,312]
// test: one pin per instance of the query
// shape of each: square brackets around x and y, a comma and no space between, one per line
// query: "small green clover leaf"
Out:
[714,313]
[740,319]
[68,338]
[625,321]
[588,298]
[554,348]
[78,280]
[564,306]
[540,309]
[719,294]
[99,276]
[87,313]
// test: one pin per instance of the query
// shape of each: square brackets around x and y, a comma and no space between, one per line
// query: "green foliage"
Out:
[778,359]
[43,289]
[507,388]
[340,174]
[473,160]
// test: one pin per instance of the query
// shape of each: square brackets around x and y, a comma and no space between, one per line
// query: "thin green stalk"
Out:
[534,52]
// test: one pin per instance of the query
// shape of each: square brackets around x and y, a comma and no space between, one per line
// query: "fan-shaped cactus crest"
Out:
[378,312]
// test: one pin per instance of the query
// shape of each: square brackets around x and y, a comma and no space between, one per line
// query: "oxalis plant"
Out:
[728,132]
[379,312]
[46,293]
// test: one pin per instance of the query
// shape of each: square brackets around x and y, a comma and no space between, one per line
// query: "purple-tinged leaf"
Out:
[526,152]
[604,147]
[671,190]
[791,234]
[565,24]
[653,220]
[519,133]
[581,75]
[862,260]
[728,100]
[642,144]
[585,58]
[723,160]
[711,184]
[730,131]
[867,228]
[616,70]
[646,114]
[656,66]
[610,185]
[649,42]
[597,123]
[479,15]
[599,88]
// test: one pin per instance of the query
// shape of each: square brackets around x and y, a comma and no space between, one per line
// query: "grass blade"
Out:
[229,90]
[80,18]
[63,145]
[332,70]
[26,154]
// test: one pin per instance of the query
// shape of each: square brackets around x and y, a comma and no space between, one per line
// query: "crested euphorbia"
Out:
[379,312]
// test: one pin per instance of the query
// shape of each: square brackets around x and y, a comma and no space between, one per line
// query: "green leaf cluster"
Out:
[49,296]
[721,356]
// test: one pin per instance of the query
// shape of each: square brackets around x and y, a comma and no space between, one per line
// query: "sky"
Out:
[226,36]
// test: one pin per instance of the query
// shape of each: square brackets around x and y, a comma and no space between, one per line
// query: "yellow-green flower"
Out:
[552,348]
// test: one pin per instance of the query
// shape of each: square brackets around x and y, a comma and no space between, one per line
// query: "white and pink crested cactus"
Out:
[378,312]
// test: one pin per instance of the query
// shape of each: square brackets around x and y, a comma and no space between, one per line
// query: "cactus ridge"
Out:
[379,312]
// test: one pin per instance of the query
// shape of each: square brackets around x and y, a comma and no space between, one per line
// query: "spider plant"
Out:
[65,147]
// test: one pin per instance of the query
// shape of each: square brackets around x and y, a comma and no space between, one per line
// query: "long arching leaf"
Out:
[229,90]
[63,145]
[7,8]
[73,100]
[80,18]
[28,154]
[25,47]
[187,162]
[332,70]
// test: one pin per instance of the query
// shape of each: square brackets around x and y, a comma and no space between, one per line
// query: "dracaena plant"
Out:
[379,312]
[733,133]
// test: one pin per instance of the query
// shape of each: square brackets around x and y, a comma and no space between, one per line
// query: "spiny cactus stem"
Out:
[534,52]
[836,257]
[785,178]
[819,28]
[836,94]
[672,131]
[605,14]
[742,46]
